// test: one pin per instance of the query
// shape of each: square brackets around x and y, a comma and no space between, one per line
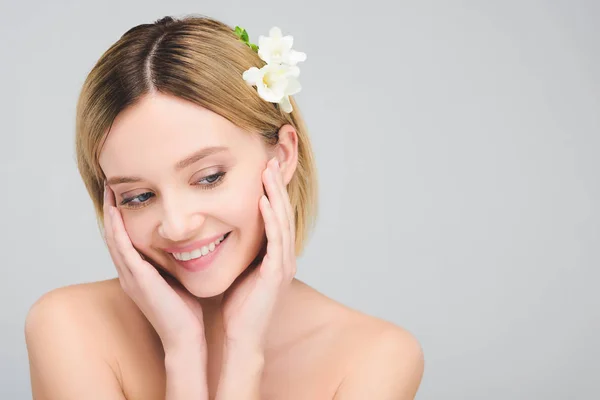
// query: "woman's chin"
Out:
[207,288]
[207,292]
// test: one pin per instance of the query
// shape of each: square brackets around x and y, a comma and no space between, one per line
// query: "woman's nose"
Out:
[178,225]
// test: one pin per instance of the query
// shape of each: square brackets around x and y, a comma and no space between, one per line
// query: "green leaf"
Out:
[243,35]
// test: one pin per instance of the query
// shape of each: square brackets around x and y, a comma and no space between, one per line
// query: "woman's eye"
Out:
[140,200]
[211,180]
[208,182]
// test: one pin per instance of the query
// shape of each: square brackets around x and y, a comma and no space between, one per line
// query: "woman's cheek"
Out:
[245,193]
[139,234]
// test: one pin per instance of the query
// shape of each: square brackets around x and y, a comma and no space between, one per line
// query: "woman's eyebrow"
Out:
[192,158]
[198,155]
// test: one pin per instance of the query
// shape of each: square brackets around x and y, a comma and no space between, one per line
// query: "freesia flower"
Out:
[277,49]
[275,83]
[277,80]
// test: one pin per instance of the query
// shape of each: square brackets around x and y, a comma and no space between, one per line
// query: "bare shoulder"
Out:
[92,307]
[74,302]
[73,336]
[82,291]
[86,313]
[377,358]
[387,362]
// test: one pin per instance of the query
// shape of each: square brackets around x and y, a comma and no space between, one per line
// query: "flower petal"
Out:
[265,50]
[263,41]
[286,105]
[272,95]
[264,55]
[292,87]
[294,57]
[275,32]
[278,88]
[287,42]
[253,75]
[291,71]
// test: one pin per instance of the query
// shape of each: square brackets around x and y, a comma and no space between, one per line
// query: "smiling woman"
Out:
[205,189]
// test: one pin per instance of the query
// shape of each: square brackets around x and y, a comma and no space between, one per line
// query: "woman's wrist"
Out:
[184,341]
[241,372]
[239,348]
[185,367]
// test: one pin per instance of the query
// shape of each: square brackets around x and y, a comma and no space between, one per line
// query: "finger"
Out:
[289,249]
[105,207]
[277,205]
[276,194]
[109,200]
[131,258]
[109,233]
[274,257]
[116,253]
[288,207]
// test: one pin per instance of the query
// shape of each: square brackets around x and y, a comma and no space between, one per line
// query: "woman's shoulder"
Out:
[91,309]
[92,335]
[387,359]
[355,324]
[94,312]
[83,301]
[368,351]
[75,300]
[95,289]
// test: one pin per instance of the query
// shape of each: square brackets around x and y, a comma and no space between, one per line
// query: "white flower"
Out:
[277,80]
[277,49]
[275,83]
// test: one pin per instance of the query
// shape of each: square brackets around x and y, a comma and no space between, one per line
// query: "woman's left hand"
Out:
[249,302]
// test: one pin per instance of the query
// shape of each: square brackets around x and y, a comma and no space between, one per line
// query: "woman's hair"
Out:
[200,60]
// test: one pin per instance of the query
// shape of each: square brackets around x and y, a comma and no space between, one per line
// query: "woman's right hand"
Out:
[174,313]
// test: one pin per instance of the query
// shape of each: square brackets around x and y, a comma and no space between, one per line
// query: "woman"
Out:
[201,173]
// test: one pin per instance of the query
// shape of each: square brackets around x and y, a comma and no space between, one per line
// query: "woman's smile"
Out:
[200,258]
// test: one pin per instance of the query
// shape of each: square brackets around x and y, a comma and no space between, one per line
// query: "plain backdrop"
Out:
[457,146]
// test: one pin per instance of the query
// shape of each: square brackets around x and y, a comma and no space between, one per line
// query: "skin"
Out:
[229,331]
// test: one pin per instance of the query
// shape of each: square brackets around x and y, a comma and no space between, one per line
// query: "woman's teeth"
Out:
[204,250]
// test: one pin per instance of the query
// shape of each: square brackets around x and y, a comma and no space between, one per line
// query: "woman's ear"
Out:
[286,151]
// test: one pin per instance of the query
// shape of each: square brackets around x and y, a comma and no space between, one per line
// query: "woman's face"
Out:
[185,176]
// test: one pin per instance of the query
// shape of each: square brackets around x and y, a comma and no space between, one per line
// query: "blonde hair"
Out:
[200,60]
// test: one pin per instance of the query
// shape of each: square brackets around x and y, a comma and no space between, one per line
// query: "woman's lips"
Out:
[203,262]
[194,245]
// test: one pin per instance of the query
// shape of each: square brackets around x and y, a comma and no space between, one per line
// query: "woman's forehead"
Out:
[162,118]
[170,125]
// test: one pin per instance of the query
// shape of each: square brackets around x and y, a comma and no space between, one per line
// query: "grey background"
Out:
[457,147]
